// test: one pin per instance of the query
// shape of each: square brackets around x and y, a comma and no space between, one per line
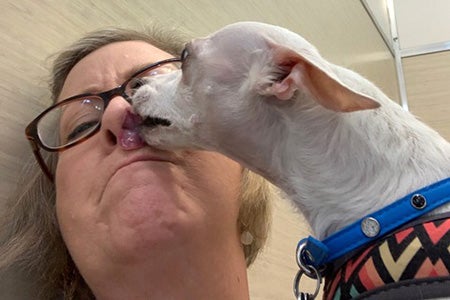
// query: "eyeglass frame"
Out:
[31,131]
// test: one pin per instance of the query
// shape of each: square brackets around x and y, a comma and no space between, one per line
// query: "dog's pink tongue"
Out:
[129,137]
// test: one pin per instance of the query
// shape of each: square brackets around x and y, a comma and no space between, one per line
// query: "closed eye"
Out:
[81,130]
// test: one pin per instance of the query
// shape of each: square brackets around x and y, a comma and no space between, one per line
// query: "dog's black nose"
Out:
[155,121]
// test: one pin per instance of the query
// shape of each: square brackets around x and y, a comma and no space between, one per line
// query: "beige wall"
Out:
[428,87]
[31,30]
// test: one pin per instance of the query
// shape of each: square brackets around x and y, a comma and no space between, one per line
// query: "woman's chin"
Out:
[148,220]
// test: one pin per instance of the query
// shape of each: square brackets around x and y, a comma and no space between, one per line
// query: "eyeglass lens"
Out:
[76,119]
[73,120]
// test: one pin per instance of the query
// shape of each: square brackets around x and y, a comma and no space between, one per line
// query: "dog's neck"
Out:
[353,164]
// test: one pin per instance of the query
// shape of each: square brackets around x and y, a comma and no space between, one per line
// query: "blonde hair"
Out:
[30,239]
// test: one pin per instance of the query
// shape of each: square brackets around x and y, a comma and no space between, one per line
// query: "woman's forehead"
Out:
[108,66]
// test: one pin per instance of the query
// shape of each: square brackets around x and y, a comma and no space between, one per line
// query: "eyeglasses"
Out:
[75,119]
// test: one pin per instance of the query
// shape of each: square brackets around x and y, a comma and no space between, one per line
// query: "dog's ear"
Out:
[310,72]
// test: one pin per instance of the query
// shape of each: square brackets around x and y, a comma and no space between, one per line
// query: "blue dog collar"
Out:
[373,226]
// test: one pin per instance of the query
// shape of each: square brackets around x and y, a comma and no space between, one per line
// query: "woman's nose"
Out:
[120,127]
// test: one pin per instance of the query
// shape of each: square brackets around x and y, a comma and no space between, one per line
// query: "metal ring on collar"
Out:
[309,270]
[301,295]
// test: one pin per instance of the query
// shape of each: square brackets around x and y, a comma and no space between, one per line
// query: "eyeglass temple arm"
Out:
[40,160]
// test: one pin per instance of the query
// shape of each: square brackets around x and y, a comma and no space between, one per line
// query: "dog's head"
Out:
[235,85]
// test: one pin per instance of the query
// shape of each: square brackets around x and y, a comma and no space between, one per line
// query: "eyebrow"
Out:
[135,69]
[127,75]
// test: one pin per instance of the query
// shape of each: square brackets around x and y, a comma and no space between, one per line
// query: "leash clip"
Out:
[303,258]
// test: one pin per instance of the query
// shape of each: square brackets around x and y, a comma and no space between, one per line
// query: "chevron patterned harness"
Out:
[384,258]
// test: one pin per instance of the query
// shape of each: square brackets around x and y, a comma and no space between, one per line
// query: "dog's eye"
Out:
[184,54]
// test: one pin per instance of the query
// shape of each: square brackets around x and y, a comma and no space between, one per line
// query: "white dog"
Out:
[329,138]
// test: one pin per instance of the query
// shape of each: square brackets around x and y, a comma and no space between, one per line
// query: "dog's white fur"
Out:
[329,138]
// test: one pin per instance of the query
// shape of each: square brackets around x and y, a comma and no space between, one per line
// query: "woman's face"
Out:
[118,204]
